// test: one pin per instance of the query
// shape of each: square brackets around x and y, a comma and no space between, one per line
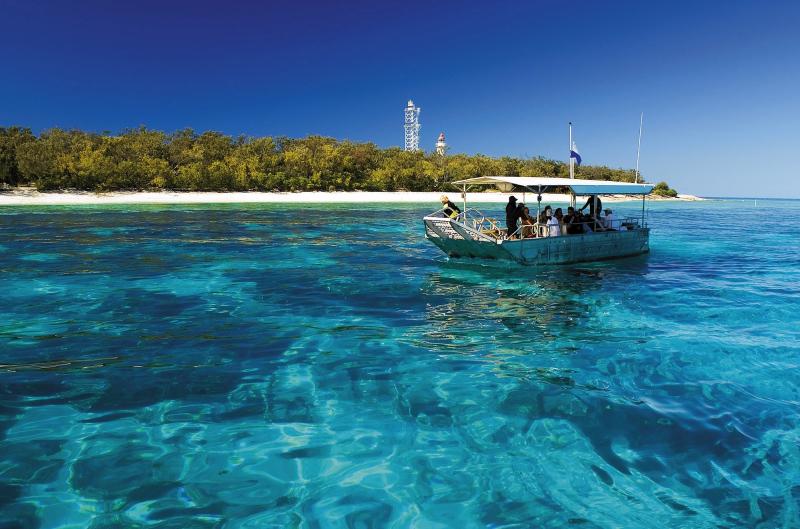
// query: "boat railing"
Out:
[488,226]
[438,213]
[482,223]
[475,219]
[538,230]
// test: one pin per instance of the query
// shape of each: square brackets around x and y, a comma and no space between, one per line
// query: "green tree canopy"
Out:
[11,139]
[141,158]
[663,189]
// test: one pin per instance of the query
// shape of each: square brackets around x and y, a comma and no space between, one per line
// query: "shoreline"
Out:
[30,197]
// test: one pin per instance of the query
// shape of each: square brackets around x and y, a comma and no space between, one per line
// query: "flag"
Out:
[573,153]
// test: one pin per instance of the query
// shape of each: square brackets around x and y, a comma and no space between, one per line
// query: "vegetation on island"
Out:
[662,189]
[144,159]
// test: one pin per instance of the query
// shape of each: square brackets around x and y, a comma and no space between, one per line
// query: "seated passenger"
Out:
[527,224]
[449,209]
[554,224]
[608,221]
[559,215]
[588,224]
[573,222]
[519,215]
[546,213]
[541,221]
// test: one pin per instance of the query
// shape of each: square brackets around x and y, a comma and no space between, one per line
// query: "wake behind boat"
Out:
[471,234]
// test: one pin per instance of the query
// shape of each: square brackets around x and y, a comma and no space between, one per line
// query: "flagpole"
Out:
[571,161]
[639,146]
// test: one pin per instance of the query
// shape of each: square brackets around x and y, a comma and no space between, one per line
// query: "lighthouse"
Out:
[441,145]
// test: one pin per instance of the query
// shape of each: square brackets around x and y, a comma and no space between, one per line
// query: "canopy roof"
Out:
[578,187]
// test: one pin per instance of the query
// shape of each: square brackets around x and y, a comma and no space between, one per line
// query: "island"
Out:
[142,165]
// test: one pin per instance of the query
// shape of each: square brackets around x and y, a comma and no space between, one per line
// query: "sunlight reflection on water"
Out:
[278,366]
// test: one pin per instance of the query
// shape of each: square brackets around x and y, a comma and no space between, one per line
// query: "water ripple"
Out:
[287,366]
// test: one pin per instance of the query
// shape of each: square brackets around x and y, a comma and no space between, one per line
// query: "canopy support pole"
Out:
[464,196]
[538,206]
[643,198]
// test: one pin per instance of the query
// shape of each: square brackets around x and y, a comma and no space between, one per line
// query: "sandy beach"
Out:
[31,197]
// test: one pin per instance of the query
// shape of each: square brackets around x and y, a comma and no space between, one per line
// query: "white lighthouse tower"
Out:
[441,145]
[412,126]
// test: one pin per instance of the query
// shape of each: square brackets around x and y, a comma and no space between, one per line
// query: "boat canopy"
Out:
[537,184]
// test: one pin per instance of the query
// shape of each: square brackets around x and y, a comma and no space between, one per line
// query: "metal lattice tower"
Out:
[412,126]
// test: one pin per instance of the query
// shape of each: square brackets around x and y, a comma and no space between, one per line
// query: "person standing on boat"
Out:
[449,209]
[595,206]
[511,215]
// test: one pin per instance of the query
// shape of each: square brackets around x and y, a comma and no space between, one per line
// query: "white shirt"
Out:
[554,227]
[608,221]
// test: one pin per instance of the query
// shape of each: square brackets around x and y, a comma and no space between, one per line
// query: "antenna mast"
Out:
[639,147]
[412,126]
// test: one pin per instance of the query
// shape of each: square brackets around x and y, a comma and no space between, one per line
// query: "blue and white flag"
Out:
[573,153]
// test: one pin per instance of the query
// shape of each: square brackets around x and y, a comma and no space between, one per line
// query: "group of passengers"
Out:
[521,225]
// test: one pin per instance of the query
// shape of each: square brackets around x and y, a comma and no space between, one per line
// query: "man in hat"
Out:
[511,215]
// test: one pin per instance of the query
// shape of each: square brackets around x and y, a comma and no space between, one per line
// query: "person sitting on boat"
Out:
[588,224]
[559,214]
[520,213]
[608,220]
[541,221]
[528,223]
[546,213]
[554,224]
[595,206]
[449,209]
[573,222]
[511,215]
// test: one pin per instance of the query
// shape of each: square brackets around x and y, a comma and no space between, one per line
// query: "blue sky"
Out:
[719,82]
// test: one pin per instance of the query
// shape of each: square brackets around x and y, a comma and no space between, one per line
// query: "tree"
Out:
[39,161]
[662,189]
[11,139]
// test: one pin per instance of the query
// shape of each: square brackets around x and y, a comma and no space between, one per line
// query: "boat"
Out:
[473,235]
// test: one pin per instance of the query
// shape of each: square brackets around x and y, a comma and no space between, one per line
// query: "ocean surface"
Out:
[265,366]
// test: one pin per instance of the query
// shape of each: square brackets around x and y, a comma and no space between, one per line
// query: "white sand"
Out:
[30,197]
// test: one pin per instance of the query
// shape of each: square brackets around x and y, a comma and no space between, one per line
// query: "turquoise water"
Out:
[325,367]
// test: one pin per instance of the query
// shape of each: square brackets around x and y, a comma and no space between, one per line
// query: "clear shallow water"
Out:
[265,366]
